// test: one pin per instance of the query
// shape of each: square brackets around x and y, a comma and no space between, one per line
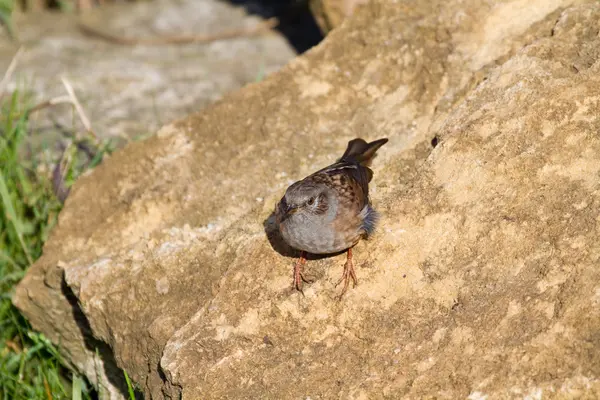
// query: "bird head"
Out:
[304,199]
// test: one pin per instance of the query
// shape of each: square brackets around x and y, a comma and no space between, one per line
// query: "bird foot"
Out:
[347,275]
[298,273]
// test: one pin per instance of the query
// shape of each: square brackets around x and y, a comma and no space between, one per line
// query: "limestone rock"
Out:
[483,278]
[331,13]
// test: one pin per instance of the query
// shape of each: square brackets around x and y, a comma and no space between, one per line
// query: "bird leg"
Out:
[347,275]
[298,275]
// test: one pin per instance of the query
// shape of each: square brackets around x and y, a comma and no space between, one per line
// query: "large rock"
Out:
[330,14]
[482,281]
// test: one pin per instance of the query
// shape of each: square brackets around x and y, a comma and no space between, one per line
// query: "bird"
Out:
[329,211]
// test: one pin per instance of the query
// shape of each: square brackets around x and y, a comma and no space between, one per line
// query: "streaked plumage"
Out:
[329,211]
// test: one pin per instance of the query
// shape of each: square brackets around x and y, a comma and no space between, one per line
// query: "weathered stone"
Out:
[482,281]
[331,13]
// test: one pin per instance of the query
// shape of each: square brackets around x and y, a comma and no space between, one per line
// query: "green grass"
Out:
[6,9]
[30,366]
[130,388]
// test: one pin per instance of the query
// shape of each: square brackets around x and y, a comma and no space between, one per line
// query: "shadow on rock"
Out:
[296,22]
[114,374]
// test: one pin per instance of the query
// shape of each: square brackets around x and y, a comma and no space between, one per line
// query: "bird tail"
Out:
[361,152]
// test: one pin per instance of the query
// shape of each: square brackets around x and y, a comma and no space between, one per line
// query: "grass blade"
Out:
[77,389]
[12,216]
[129,386]
[47,389]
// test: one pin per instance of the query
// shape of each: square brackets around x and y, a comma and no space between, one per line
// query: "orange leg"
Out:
[347,275]
[298,275]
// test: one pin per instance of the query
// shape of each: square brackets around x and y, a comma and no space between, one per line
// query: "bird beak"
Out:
[286,210]
[291,210]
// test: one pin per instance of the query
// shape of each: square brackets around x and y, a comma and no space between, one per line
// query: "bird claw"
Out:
[298,275]
[347,275]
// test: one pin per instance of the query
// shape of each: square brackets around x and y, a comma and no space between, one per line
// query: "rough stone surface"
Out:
[134,90]
[331,13]
[482,281]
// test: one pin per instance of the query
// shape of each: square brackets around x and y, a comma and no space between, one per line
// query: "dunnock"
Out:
[329,211]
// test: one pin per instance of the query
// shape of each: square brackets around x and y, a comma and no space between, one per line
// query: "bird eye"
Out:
[311,201]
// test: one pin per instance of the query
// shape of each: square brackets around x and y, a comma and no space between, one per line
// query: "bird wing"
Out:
[351,180]
[354,165]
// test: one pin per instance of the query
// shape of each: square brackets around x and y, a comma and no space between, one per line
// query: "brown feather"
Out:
[361,152]
[353,166]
